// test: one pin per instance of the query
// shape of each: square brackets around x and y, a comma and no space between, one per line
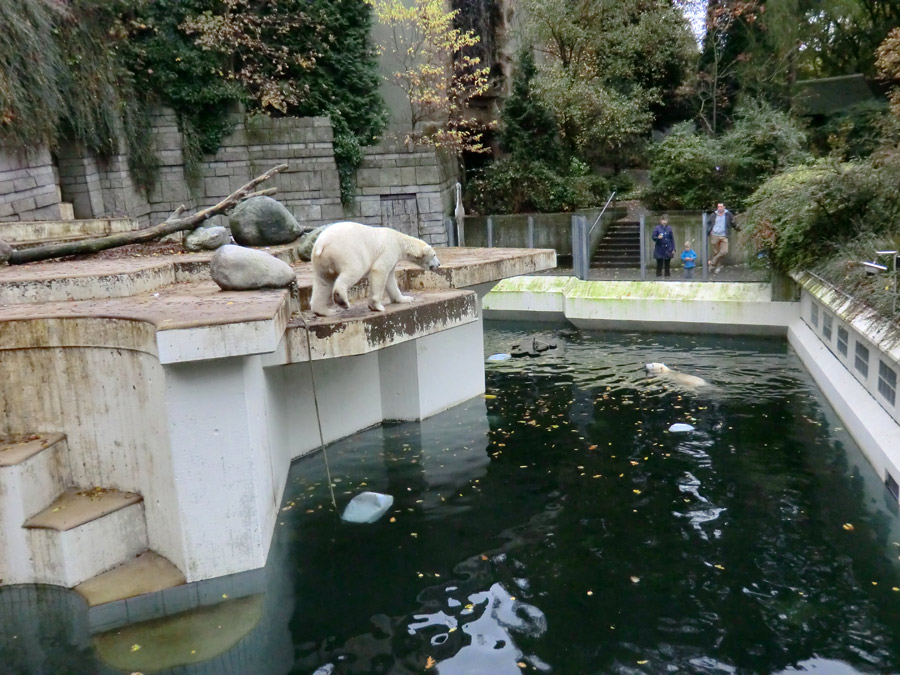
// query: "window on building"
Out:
[843,337]
[814,315]
[887,382]
[891,484]
[826,326]
[862,360]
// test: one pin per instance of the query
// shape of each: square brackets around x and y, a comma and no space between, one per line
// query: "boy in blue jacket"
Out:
[689,258]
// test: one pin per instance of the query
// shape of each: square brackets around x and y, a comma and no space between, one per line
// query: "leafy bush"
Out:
[856,132]
[510,185]
[810,213]
[693,171]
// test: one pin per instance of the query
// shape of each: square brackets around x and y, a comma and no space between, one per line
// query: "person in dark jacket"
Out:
[664,248]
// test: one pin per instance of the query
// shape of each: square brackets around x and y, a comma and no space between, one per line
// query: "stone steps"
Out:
[85,532]
[51,532]
[31,233]
[620,246]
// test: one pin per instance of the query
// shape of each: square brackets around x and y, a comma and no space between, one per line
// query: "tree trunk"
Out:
[173,223]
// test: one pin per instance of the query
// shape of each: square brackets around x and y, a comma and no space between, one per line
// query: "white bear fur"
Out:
[346,252]
[662,371]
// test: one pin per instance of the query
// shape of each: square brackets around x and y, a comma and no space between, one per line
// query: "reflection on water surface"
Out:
[556,526]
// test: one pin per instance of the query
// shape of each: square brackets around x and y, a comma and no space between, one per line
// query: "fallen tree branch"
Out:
[174,223]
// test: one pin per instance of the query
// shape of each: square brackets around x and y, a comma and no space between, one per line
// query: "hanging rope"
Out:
[295,293]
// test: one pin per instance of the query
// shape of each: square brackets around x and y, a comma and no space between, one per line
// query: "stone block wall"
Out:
[28,188]
[391,173]
[410,189]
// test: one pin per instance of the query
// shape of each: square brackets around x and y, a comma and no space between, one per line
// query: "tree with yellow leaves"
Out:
[428,59]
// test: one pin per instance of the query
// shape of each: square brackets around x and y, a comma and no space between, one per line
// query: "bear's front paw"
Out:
[376,306]
[404,299]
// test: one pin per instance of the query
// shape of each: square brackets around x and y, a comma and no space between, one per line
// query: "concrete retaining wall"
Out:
[28,189]
[410,190]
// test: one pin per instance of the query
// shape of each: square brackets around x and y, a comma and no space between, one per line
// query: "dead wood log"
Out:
[174,223]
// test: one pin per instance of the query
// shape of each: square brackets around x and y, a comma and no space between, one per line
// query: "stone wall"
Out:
[28,189]
[409,189]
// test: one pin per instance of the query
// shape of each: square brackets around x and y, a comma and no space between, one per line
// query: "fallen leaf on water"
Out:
[522,664]
[640,663]
[849,527]
[635,580]
[134,648]
[430,663]
[392,520]
[489,396]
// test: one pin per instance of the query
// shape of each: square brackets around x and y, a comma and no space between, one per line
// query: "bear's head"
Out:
[425,257]
[656,368]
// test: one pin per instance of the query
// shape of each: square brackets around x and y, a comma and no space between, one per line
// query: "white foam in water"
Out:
[498,357]
[679,426]
[367,507]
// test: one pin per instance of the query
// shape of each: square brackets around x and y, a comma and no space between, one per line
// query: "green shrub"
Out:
[856,132]
[808,214]
[513,186]
[689,170]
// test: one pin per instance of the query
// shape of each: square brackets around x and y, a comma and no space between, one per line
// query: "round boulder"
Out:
[5,252]
[207,238]
[307,241]
[263,221]
[235,268]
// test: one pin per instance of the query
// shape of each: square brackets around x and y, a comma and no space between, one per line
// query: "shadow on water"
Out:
[556,525]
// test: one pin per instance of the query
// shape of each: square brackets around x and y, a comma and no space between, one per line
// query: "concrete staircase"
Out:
[620,246]
[93,539]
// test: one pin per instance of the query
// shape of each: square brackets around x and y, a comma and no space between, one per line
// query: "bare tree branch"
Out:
[174,223]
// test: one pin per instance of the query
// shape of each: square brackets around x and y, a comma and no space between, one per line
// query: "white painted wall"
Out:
[110,405]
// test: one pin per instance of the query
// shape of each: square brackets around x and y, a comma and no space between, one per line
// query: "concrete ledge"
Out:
[721,307]
[359,330]
[37,231]
[877,434]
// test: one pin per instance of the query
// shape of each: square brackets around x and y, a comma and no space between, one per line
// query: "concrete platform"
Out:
[147,573]
[194,401]
[75,507]
[16,451]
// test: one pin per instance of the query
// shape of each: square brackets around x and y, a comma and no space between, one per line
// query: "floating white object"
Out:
[367,507]
[679,426]
[498,357]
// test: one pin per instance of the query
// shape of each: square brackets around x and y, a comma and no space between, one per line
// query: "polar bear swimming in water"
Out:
[662,371]
[346,252]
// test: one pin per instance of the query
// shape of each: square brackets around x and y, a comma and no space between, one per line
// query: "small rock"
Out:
[367,507]
[207,238]
[307,241]
[235,268]
[263,221]
[5,252]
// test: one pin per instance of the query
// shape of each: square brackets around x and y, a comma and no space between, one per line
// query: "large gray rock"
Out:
[307,241]
[207,238]
[235,268]
[263,221]
[5,252]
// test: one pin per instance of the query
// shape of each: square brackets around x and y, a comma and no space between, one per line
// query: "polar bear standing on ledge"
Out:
[346,252]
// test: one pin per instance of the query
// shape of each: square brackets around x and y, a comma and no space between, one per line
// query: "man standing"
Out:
[718,227]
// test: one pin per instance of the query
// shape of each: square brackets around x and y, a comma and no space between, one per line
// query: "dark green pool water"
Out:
[557,526]
[560,527]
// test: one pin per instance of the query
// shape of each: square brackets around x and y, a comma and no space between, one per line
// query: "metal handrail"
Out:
[602,211]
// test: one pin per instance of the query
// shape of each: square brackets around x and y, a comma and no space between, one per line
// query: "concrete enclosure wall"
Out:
[409,189]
